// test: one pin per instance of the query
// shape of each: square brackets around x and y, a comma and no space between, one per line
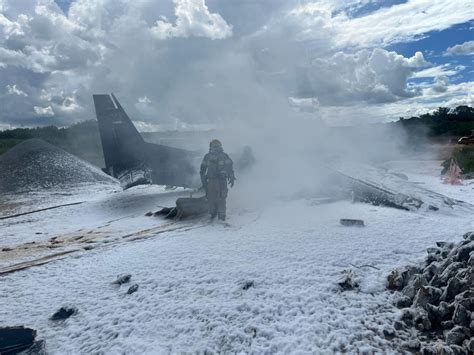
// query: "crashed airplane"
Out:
[135,162]
[132,160]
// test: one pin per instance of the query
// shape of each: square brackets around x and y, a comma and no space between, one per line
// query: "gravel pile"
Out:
[437,300]
[35,164]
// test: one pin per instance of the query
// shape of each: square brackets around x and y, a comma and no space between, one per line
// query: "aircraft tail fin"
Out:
[122,144]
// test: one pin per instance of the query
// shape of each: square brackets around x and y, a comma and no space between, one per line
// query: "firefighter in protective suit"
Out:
[216,172]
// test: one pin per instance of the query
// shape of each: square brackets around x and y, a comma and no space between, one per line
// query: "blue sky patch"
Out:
[433,46]
[64,4]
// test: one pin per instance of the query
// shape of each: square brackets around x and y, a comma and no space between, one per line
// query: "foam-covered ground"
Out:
[191,295]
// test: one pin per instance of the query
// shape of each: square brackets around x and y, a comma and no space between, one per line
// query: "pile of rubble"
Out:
[437,300]
[35,164]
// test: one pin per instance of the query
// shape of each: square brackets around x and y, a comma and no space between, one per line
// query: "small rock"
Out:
[395,281]
[427,350]
[445,253]
[464,252]
[469,236]
[461,316]
[413,286]
[468,344]
[132,289]
[445,311]
[7,249]
[431,258]
[442,349]
[398,325]
[466,298]
[413,345]
[389,333]
[436,280]
[399,278]
[122,279]
[433,250]
[458,350]
[422,321]
[427,294]
[252,331]
[64,313]
[407,314]
[441,244]
[447,324]
[454,287]
[470,262]
[430,271]
[462,273]
[347,281]
[247,284]
[434,314]
[455,336]
[351,222]
[451,270]
[148,214]
[403,302]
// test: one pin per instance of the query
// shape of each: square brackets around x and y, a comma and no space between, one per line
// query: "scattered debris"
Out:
[352,222]
[122,279]
[437,299]
[252,331]
[247,284]
[400,175]
[185,207]
[132,289]
[16,339]
[348,281]
[41,210]
[36,262]
[38,348]
[64,313]
[365,265]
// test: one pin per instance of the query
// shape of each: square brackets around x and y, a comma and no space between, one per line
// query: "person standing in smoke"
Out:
[216,172]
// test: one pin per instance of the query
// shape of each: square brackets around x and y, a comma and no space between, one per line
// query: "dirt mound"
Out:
[35,165]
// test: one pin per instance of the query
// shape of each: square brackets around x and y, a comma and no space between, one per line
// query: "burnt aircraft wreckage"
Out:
[133,161]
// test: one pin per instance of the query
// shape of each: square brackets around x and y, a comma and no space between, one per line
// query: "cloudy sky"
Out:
[185,63]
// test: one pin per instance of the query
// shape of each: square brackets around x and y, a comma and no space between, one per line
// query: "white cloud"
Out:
[14,90]
[438,70]
[466,48]
[307,50]
[69,105]
[193,18]
[44,111]
[404,22]
[441,84]
[371,76]
[398,23]
[304,105]
[454,95]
